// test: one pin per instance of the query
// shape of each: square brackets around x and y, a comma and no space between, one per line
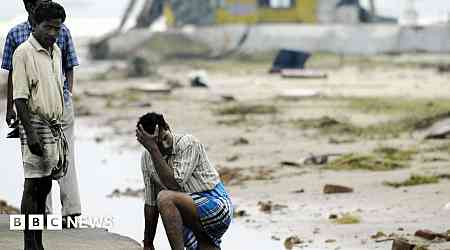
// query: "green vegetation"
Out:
[382,159]
[406,115]
[347,218]
[414,180]
[247,109]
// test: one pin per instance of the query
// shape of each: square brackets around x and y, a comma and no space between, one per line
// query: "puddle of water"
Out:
[101,169]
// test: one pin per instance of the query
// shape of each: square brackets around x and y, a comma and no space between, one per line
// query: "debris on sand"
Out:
[82,110]
[198,79]
[5,208]
[162,88]
[333,217]
[439,130]
[318,159]
[290,164]
[228,98]
[402,244]
[291,241]
[269,206]
[335,189]
[238,175]
[378,235]
[330,241]
[247,109]
[347,218]
[232,158]
[414,180]
[231,176]
[240,141]
[303,74]
[127,193]
[383,159]
[298,94]
[240,213]
[426,234]
[299,191]
[443,68]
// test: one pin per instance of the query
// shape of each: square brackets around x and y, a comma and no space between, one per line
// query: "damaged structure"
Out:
[210,12]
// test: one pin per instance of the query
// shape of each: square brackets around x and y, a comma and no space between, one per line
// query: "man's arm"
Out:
[165,173]
[34,142]
[70,77]
[151,222]
[10,114]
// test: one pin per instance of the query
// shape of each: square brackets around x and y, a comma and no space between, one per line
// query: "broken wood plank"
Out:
[152,88]
[335,189]
[303,74]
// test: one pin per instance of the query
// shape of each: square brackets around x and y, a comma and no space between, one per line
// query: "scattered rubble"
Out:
[430,235]
[439,130]
[269,207]
[333,216]
[378,235]
[240,141]
[303,74]
[232,158]
[299,191]
[414,180]
[347,218]
[382,159]
[291,241]
[240,213]
[127,193]
[335,189]
[290,164]
[298,94]
[443,68]
[152,88]
[199,79]
[5,208]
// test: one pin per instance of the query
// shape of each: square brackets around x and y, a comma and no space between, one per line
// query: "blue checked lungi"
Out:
[215,212]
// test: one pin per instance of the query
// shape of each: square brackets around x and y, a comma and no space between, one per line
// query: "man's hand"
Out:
[35,144]
[147,140]
[10,115]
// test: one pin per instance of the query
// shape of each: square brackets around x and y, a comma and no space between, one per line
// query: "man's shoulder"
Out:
[23,48]
[185,140]
[23,27]
[65,31]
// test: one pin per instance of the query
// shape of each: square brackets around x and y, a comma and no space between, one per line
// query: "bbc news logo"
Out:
[55,222]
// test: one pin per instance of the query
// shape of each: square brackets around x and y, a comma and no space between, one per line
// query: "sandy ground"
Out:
[272,140]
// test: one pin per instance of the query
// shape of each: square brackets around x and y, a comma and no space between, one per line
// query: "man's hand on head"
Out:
[147,140]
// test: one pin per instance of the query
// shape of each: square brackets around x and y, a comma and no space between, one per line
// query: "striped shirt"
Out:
[191,168]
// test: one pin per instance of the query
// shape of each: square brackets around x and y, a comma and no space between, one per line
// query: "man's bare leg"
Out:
[176,210]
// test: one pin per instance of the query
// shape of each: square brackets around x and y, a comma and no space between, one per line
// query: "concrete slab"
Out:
[70,239]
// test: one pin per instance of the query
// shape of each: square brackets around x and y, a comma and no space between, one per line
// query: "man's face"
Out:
[165,141]
[47,32]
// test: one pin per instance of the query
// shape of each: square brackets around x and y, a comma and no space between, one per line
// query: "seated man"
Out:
[182,186]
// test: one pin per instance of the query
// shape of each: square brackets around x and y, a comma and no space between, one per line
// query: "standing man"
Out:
[38,96]
[69,194]
[182,186]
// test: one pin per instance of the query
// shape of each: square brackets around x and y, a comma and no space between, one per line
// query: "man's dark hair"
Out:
[49,11]
[27,2]
[150,120]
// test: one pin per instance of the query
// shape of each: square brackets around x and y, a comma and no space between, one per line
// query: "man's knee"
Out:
[164,199]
